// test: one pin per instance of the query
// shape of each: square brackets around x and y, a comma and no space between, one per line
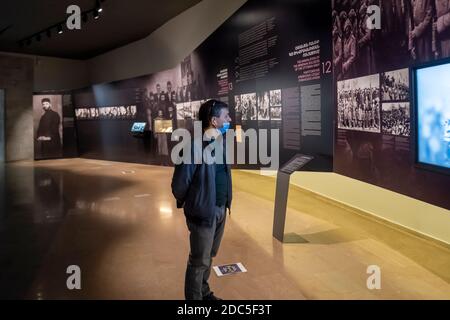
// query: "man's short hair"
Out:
[210,109]
[45,100]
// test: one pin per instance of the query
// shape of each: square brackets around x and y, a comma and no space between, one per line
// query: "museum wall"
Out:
[60,74]
[375,134]
[21,75]
[16,78]
[166,46]
[271,62]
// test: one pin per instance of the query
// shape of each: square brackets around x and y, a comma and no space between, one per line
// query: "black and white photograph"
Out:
[249,107]
[275,113]
[412,31]
[359,104]
[195,106]
[395,85]
[396,119]
[105,113]
[93,113]
[275,98]
[187,110]
[263,106]
[237,104]
[180,111]
[48,131]
[80,113]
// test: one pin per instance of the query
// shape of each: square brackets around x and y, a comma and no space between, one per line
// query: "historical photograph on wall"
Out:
[263,106]
[106,113]
[248,106]
[396,119]
[411,31]
[48,130]
[238,108]
[395,85]
[162,93]
[275,105]
[359,104]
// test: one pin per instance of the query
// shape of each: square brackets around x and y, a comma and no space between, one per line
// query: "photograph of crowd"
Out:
[275,98]
[263,106]
[359,104]
[105,113]
[396,118]
[395,85]
[411,31]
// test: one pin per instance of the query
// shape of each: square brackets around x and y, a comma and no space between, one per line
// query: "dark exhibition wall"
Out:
[334,87]
[375,138]
[269,61]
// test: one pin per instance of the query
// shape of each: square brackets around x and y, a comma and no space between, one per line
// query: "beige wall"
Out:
[410,213]
[165,47]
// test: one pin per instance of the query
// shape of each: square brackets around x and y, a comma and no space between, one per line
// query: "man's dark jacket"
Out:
[194,188]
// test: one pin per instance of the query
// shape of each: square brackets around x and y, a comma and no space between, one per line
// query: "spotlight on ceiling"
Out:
[98,6]
[96,14]
[60,30]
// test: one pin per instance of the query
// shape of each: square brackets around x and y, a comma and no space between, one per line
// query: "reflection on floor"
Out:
[118,222]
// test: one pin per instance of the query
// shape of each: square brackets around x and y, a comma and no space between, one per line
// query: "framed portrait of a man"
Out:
[48,131]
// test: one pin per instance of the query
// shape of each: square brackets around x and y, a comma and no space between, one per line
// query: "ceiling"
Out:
[120,23]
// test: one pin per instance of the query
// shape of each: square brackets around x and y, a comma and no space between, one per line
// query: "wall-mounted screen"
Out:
[433,115]
[138,127]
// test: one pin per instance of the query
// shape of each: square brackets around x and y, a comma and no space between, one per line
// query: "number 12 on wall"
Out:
[326,67]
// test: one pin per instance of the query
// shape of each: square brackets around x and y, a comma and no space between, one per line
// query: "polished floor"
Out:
[118,222]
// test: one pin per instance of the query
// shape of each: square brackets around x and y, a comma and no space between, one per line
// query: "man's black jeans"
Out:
[205,242]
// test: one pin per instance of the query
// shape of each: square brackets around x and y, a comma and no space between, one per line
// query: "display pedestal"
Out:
[281,195]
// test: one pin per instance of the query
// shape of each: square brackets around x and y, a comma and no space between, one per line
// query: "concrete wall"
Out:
[16,77]
[56,74]
[166,46]
[60,74]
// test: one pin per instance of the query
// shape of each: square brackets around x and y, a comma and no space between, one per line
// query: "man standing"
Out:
[442,26]
[337,53]
[349,52]
[170,93]
[48,138]
[421,33]
[204,191]
[158,92]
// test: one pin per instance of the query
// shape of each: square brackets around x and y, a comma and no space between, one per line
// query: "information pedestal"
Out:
[282,191]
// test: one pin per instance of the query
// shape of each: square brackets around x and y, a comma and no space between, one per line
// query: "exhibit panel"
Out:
[271,65]
[376,113]
[48,126]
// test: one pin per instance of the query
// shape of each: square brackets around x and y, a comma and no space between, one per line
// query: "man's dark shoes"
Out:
[211,297]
